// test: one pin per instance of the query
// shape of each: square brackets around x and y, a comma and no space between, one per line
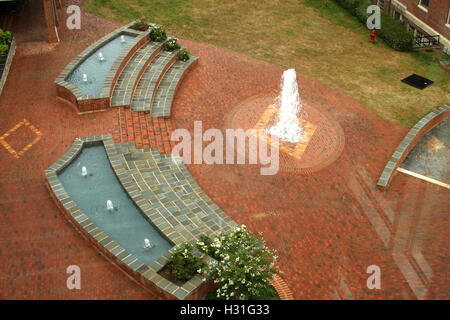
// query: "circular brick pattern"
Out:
[326,140]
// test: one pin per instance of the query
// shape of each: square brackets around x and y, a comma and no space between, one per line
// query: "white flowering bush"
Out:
[243,264]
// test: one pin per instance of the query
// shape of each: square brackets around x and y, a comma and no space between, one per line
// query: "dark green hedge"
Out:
[393,33]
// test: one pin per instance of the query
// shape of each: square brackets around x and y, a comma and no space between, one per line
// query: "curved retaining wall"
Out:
[146,275]
[90,103]
[414,135]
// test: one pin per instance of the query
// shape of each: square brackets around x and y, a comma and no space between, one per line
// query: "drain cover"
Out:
[417,81]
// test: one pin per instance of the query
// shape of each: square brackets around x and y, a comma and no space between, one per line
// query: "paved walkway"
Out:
[328,226]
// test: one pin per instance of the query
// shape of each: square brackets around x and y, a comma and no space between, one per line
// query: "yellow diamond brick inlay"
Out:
[15,153]
[294,150]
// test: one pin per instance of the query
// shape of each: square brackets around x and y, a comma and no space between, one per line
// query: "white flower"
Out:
[231,282]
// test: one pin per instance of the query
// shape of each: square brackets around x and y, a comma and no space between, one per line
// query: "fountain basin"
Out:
[95,94]
[126,226]
[157,216]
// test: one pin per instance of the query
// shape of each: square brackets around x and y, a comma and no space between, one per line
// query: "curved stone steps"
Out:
[148,83]
[165,93]
[130,75]
[167,189]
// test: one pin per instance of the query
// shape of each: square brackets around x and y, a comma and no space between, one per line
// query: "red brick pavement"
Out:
[331,225]
[328,227]
[37,243]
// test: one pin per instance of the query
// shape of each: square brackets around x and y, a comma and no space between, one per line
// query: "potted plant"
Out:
[171,45]
[183,55]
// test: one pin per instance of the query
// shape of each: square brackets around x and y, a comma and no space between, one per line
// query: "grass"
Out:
[316,37]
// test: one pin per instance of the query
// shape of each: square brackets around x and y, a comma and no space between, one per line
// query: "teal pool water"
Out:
[97,70]
[126,225]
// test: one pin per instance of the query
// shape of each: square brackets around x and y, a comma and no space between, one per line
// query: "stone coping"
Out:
[147,275]
[409,141]
[161,105]
[9,59]
[109,82]
[137,68]
[156,69]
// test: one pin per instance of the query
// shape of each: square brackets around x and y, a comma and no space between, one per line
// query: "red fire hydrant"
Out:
[372,36]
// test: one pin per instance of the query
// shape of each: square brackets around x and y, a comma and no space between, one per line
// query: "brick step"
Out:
[146,88]
[162,102]
[131,74]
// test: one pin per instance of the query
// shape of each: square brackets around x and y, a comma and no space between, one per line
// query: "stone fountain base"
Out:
[322,143]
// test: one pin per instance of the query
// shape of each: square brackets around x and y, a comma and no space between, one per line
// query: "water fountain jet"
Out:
[101,57]
[85,79]
[287,128]
[84,171]
[148,244]
[109,206]
[122,38]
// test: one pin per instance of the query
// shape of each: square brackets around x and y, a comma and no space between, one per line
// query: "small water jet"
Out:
[109,206]
[85,78]
[122,39]
[84,171]
[148,244]
[101,57]
[287,128]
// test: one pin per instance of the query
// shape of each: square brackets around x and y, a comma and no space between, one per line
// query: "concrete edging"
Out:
[409,141]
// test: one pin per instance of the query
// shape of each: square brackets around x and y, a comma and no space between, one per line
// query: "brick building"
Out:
[35,20]
[424,17]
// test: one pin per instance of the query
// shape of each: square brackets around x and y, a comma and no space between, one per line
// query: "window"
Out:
[424,3]
[381,4]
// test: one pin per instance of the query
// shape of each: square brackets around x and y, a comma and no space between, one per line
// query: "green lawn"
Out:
[316,37]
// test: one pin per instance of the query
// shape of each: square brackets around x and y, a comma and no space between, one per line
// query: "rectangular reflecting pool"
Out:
[125,224]
[96,70]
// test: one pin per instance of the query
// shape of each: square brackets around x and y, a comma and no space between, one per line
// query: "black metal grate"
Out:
[417,81]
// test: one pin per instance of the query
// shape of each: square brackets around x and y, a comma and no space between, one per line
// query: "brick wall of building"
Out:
[435,17]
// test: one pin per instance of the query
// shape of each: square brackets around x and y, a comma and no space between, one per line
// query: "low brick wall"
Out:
[414,135]
[9,59]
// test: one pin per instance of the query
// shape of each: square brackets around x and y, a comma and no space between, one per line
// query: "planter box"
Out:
[5,64]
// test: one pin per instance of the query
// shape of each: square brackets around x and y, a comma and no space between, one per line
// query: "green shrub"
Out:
[5,41]
[141,26]
[183,264]
[171,45]
[392,32]
[183,55]
[243,264]
[3,48]
[158,35]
